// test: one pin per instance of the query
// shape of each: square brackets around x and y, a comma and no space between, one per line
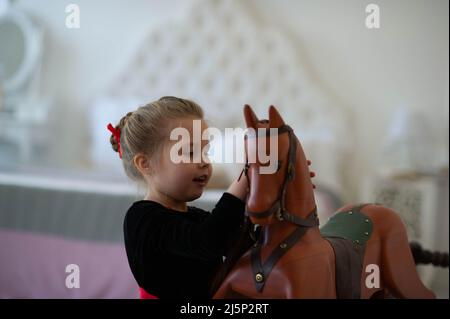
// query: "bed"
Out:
[51,219]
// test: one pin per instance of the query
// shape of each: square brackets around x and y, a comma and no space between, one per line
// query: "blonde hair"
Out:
[143,131]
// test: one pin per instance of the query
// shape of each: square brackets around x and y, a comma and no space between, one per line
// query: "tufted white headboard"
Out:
[221,56]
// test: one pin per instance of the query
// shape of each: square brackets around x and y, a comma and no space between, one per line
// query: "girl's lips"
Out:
[201,183]
[201,180]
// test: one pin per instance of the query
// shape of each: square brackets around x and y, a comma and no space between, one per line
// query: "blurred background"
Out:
[365,91]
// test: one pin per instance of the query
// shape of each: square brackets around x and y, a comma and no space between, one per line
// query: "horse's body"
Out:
[307,269]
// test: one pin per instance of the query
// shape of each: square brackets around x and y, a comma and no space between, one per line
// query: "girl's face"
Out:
[186,180]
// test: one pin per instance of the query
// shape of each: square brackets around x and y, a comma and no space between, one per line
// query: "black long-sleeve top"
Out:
[174,254]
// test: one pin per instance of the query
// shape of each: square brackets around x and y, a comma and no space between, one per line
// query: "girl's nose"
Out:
[204,164]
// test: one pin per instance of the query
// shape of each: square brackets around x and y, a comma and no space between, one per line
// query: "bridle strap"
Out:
[306,222]
[268,131]
[290,169]
[261,271]
[311,221]
[267,213]
[279,205]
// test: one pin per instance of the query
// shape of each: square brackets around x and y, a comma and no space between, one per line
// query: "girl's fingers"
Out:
[308,162]
[312,174]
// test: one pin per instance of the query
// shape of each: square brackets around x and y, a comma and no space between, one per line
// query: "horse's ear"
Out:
[275,119]
[250,117]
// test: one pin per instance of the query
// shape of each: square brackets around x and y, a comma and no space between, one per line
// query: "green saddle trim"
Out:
[353,225]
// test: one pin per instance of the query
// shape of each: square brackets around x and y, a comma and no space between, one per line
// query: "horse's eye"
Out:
[279,166]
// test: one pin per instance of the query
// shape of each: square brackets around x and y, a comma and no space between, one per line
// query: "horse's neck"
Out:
[299,198]
[278,231]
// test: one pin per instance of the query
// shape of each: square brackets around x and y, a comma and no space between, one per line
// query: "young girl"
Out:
[174,250]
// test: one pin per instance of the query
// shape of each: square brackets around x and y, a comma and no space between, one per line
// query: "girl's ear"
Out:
[142,163]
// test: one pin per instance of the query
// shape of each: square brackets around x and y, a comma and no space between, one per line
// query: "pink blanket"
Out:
[34,266]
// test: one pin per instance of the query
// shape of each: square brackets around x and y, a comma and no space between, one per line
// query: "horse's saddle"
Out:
[348,232]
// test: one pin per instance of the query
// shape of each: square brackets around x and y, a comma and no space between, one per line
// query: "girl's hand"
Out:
[239,188]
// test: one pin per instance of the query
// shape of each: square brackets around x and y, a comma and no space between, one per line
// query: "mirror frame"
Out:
[33,47]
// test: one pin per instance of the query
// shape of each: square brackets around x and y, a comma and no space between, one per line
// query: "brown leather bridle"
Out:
[279,206]
[261,270]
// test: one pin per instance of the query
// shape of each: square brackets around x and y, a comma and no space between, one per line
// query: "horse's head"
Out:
[288,182]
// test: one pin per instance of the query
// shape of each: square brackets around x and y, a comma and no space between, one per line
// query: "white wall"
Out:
[79,63]
[369,72]
[374,72]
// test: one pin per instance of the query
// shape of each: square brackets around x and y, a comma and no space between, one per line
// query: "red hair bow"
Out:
[116,134]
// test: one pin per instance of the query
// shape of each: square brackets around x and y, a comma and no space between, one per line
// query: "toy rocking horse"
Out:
[292,258]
